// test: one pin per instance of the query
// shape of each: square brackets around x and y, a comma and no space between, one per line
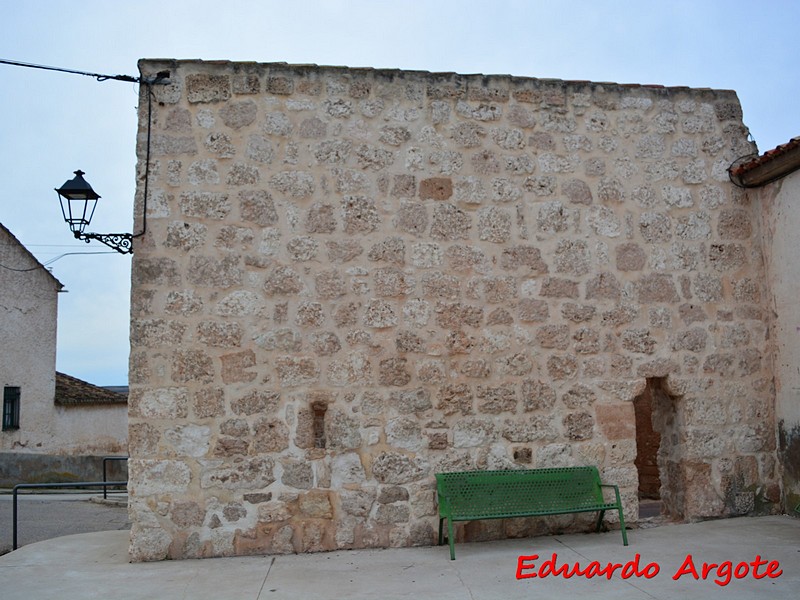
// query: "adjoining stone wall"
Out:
[353,279]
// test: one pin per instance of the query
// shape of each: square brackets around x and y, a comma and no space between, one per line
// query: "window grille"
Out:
[11,408]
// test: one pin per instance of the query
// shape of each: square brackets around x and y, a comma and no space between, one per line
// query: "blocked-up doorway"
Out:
[656,461]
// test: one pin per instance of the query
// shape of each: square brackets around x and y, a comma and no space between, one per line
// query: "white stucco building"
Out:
[773,181]
[29,305]
[51,423]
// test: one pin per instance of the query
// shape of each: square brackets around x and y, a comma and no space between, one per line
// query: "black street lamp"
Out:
[78,202]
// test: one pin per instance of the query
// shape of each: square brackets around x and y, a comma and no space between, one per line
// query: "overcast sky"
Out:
[52,123]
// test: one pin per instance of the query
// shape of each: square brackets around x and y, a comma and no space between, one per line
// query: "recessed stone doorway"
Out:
[656,434]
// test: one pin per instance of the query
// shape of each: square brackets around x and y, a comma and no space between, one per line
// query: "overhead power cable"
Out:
[49,262]
[160,78]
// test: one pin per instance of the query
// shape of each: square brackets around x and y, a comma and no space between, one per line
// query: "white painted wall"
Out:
[28,312]
[28,316]
[780,203]
[92,429]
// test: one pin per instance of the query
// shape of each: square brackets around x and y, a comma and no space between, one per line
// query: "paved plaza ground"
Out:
[95,565]
[46,516]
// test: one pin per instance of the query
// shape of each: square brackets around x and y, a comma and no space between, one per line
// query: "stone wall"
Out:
[352,279]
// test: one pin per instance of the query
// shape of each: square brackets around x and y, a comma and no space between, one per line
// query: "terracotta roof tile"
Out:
[71,391]
[769,155]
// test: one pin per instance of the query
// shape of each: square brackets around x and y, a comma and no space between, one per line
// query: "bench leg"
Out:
[441,522]
[622,526]
[600,520]
[451,539]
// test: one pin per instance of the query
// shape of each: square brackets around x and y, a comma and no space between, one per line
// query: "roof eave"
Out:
[771,166]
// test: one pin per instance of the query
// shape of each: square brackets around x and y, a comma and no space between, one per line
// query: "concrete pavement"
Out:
[45,516]
[95,565]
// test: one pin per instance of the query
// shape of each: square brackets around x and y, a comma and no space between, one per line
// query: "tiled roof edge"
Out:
[772,165]
[71,391]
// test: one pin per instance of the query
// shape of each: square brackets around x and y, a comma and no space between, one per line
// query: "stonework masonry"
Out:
[353,279]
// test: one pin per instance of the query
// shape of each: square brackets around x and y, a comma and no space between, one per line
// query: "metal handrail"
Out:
[35,486]
[105,460]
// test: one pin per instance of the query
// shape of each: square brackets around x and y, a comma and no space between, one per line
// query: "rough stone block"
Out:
[555,287]
[270,435]
[404,433]
[410,401]
[238,114]
[296,370]
[657,287]
[359,215]
[494,225]
[398,469]
[523,256]
[726,257]
[616,421]
[154,333]
[630,257]
[248,474]
[393,372]
[220,334]
[438,285]
[578,426]
[553,336]
[206,271]
[455,398]
[155,271]
[638,340]
[456,314]
[203,88]
[412,217]
[235,367]
[294,184]
[530,310]
[495,400]
[256,402]
[192,366]
[450,223]
[562,367]
[283,280]
[531,429]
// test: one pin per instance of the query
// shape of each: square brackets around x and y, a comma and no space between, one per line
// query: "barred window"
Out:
[11,408]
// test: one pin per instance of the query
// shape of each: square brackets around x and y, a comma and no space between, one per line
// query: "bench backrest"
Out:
[519,490]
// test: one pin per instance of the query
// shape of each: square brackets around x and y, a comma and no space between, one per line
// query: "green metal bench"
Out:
[473,495]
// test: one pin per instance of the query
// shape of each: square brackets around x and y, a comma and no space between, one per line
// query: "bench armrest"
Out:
[443,502]
[616,491]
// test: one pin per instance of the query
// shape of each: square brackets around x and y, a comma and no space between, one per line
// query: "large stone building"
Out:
[352,279]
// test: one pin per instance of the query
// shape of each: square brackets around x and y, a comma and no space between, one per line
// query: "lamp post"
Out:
[78,202]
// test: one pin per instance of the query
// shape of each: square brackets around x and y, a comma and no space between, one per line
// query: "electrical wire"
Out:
[21,270]
[60,256]
[147,158]
[161,78]
[98,76]
[49,262]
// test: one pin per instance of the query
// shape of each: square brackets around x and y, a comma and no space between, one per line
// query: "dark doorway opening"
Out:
[655,417]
